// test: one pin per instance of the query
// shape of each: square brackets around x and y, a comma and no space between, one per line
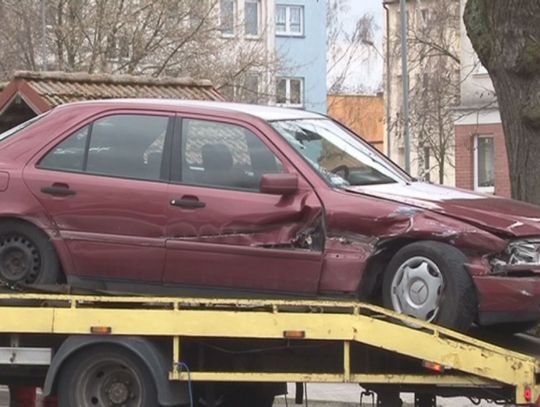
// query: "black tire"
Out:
[233,395]
[456,297]
[512,327]
[248,398]
[26,255]
[104,376]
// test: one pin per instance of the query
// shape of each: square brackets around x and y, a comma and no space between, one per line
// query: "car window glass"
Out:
[127,146]
[69,154]
[337,154]
[224,155]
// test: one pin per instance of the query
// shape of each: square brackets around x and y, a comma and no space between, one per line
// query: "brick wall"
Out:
[465,156]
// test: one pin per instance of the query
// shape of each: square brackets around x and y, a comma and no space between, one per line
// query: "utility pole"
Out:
[43,36]
[405,76]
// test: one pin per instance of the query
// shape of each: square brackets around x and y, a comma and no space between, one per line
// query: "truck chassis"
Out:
[194,348]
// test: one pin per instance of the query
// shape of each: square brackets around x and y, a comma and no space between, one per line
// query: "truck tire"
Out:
[103,376]
[249,399]
[234,395]
[27,255]
[428,280]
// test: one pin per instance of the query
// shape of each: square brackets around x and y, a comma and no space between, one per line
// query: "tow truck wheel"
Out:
[248,399]
[427,280]
[106,377]
[234,395]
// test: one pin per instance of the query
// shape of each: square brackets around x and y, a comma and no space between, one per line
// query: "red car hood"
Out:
[492,213]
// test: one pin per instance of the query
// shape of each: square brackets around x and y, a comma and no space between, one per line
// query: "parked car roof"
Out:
[268,113]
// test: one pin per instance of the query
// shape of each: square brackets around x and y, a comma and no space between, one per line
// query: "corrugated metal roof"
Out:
[59,87]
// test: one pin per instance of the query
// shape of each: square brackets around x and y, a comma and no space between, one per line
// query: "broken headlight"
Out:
[525,251]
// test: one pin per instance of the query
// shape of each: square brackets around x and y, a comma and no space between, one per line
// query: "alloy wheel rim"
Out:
[417,287]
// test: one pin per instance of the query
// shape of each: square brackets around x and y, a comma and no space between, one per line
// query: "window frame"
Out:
[255,92]
[239,88]
[119,47]
[426,151]
[489,189]
[165,170]
[176,176]
[288,32]
[259,19]
[425,15]
[232,32]
[288,80]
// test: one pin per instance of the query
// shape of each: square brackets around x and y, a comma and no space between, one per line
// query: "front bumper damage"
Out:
[508,284]
[508,299]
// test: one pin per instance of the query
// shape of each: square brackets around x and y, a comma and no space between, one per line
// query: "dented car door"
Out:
[223,231]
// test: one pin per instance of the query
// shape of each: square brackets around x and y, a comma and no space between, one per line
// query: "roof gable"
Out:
[45,90]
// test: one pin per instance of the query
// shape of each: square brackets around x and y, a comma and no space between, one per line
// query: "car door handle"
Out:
[188,203]
[58,190]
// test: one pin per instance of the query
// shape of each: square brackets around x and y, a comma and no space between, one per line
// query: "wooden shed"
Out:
[31,93]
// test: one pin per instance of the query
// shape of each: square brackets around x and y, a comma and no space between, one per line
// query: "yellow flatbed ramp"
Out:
[310,341]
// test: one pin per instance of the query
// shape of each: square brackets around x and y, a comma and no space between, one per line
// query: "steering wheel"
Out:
[342,170]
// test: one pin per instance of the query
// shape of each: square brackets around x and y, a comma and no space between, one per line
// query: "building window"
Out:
[425,15]
[289,20]
[401,157]
[252,11]
[484,164]
[427,164]
[290,92]
[227,16]
[118,47]
[244,89]
[197,14]
[251,88]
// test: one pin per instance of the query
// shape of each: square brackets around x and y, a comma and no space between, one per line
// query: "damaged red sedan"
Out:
[177,197]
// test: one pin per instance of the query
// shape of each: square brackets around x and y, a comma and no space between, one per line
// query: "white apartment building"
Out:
[434,75]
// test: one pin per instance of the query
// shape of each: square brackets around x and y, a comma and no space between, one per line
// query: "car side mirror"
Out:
[279,184]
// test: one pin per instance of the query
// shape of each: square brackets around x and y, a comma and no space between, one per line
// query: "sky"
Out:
[368,72]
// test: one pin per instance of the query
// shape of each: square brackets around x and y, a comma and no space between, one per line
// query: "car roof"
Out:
[268,113]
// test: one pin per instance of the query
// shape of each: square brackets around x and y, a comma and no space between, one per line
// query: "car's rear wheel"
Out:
[26,255]
[427,280]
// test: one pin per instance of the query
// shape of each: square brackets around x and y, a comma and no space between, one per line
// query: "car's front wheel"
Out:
[427,280]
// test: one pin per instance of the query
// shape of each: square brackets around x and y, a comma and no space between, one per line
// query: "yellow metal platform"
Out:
[467,361]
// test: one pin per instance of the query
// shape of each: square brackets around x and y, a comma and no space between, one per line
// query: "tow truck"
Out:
[106,350]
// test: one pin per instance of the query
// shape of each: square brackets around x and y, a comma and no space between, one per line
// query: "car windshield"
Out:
[337,155]
[14,130]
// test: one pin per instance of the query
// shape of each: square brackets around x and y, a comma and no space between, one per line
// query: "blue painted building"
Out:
[301,47]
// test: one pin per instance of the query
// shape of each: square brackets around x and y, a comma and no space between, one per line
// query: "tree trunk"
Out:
[506,36]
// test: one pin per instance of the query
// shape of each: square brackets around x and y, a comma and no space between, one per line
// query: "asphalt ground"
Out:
[323,395]
[348,395]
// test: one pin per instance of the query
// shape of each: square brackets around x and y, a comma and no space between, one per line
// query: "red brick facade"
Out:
[465,156]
